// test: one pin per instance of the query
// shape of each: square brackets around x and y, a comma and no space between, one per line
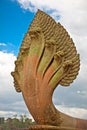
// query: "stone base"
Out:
[47,127]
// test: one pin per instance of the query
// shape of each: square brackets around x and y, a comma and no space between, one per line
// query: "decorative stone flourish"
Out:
[47,58]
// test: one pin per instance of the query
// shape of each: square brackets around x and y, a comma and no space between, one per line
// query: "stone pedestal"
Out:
[45,127]
[48,127]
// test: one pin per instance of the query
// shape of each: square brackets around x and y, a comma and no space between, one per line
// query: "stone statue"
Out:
[47,58]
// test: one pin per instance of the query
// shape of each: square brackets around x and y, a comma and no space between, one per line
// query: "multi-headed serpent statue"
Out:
[47,58]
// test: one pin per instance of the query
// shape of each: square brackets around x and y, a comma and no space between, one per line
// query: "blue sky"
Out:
[14,23]
[15,18]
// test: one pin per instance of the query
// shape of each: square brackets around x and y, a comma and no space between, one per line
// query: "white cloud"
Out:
[74,112]
[2,44]
[11,102]
[7,113]
[6,66]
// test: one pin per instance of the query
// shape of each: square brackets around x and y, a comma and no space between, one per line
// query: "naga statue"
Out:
[47,58]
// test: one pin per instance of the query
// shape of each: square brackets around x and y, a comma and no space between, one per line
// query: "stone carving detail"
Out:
[47,58]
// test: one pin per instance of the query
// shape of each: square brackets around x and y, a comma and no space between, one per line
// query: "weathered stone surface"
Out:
[1,128]
[47,58]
